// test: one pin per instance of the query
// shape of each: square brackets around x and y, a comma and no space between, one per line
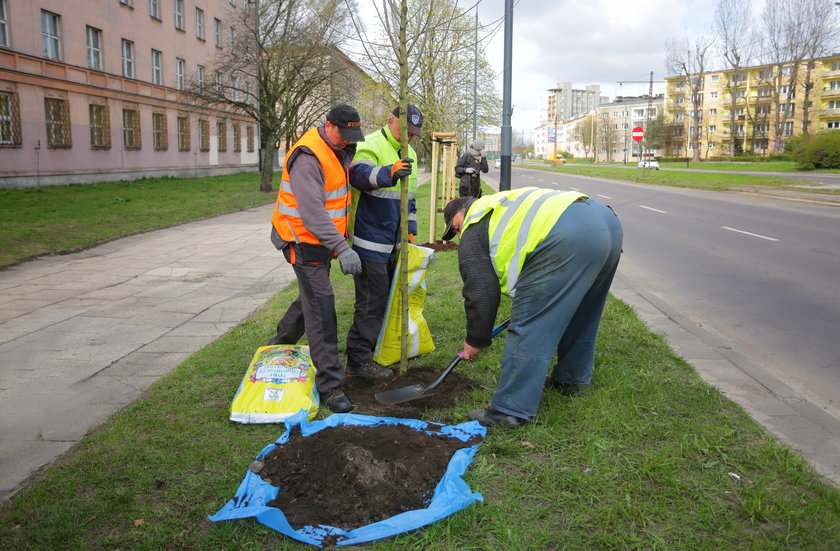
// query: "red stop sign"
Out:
[638,133]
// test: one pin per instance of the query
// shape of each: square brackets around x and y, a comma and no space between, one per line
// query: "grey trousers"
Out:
[313,313]
[372,290]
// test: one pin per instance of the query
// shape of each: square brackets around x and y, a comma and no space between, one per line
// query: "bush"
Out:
[821,151]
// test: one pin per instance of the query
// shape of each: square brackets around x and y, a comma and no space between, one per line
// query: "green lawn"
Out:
[650,457]
[54,219]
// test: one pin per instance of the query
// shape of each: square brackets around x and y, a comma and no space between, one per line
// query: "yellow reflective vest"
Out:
[519,221]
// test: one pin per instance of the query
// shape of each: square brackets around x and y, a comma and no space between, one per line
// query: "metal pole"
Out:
[475,79]
[504,177]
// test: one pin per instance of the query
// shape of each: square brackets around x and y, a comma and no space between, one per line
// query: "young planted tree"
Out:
[278,62]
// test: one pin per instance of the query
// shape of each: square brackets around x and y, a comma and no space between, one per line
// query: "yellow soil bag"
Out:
[420,341]
[280,381]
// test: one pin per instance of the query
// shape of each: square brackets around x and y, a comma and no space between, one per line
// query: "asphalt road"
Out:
[762,274]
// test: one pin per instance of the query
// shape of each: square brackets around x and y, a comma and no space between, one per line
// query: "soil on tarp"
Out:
[441,245]
[361,392]
[352,476]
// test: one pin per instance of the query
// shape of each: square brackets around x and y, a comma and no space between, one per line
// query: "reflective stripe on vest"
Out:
[286,218]
[519,221]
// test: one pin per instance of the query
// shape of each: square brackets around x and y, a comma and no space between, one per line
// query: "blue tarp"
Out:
[451,493]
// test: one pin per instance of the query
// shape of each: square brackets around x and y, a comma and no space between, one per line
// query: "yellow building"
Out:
[751,111]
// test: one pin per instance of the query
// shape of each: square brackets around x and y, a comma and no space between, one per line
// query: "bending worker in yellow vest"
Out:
[555,254]
[309,225]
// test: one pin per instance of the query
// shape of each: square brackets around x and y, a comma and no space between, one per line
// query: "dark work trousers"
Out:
[372,290]
[313,313]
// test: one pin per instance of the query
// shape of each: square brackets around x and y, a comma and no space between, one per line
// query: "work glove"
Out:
[401,168]
[411,238]
[350,262]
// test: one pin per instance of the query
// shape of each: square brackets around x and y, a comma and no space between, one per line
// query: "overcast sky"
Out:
[587,42]
[584,42]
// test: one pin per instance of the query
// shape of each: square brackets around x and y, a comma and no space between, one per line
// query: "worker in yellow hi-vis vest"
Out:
[555,254]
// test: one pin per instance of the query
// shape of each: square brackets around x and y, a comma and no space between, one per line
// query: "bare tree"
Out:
[732,28]
[278,58]
[689,60]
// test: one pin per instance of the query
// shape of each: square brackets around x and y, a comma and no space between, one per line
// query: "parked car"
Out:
[498,163]
[650,164]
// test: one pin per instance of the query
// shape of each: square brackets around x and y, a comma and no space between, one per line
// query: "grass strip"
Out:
[56,219]
[651,457]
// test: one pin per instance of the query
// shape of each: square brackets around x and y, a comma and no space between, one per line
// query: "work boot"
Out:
[370,371]
[566,389]
[489,417]
[336,400]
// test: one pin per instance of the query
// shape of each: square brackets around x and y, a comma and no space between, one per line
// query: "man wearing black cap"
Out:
[309,225]
[555,254]
[375,233]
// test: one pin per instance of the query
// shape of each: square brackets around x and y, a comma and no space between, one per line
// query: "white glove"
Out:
[350,262]
[470,170]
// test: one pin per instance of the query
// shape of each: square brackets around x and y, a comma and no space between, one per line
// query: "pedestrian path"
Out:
[83,335]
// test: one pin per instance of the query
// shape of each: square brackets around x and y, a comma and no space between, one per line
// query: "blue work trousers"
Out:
[557,306]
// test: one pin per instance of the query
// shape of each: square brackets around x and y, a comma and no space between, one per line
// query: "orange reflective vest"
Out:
[286,218]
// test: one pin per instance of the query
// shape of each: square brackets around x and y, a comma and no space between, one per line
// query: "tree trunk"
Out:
[269,152]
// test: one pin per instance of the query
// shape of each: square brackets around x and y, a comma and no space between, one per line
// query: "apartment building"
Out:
[94,90]
[564,102]
[751,111]
[615,124]
[551,139]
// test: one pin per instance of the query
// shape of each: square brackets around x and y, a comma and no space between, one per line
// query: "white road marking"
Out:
[604,196]
[653,209]
[750,234]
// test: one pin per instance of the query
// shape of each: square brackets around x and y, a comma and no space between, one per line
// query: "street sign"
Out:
[638,134]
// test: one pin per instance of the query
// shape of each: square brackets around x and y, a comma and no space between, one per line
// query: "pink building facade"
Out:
[92,90]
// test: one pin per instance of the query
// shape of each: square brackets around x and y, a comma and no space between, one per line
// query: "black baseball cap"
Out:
[415,119]
[450,210]
[348,122]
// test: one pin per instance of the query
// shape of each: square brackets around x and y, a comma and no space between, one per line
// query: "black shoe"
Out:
[336,400]
[489,417]
[370,371]
[566,389]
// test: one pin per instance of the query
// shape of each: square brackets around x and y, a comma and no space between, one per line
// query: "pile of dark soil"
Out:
[441,245]
[352,476]
[361,392]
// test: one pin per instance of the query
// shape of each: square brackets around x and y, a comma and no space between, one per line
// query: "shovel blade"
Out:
[400,395]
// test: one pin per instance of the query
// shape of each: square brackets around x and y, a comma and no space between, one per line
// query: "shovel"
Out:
[413,392]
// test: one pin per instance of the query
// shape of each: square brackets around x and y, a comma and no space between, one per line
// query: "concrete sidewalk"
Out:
[82,335]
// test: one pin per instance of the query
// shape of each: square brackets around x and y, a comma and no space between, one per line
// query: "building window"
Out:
[4,25]
[200,79]
[9,119]
[154,9]
[788,129]
[832,124]
[835,65]
[51,34]
[234,85]
[834,85]
[834,104]
[131,128]
[127,58]
[183,133]
[157,67]
[180,71]
[179,15]
[94,48]
[126,2]
[786,70]
[221,132]
[217,33]
[203,135]
[712,145]
[233,40]
[100,126]
[199,23]
[712,129]
[237,137]
[217,79]
[58,122]
[160,139]
[715,78]
[765,74]
[250,131]
[713,95]
[713,112]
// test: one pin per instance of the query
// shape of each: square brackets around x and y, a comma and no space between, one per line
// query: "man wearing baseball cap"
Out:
[375,223]
[309,225]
